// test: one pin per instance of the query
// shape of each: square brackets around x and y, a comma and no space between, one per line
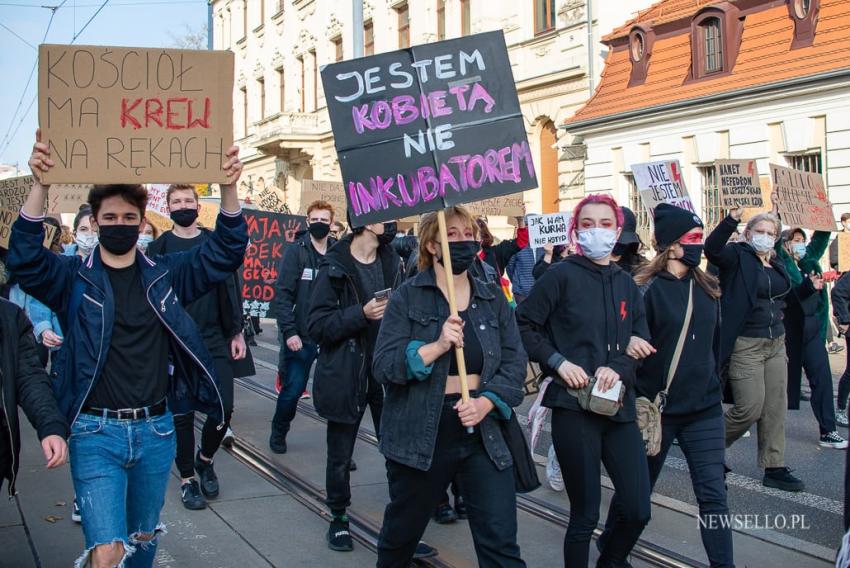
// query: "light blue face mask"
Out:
[761,242]
[597,243]
[144,241]
[799,250]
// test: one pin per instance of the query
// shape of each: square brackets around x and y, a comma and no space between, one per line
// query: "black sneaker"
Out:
[460,507]
[833,440]
[339,536]
[190,494]
[781,478]
[277,442]
[209,480]
[76,515]
[445,515]
[352,466]
[424,551]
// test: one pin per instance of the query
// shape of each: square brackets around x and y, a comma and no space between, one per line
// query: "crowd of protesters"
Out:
[139,330]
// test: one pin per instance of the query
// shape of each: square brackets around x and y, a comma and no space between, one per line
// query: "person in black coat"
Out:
[349,297]
[578,322]
[499,255]
[692,413]
[754,285]
[25,383]
[295,281]
[841,311]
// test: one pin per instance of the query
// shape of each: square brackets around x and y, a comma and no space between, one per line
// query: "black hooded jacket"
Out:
[337,324]
[588,314]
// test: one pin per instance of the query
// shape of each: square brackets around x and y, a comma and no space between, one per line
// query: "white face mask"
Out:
[144,241]
[597,243]
[86,242]
[762,242]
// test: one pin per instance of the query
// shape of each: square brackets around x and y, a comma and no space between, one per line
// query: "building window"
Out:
[244,91]
[337,41]
[261,85]
[403,13]
[638,46]
[804,13]
[806,162]
[644,226]
[303,99]
[465,17]
[315,62]
[712,42]
[544,16]
[281,81]
[712,208]
[801,8]
[441,20]
[368,38]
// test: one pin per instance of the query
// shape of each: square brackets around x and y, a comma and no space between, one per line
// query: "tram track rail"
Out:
[310,496]
[652,554]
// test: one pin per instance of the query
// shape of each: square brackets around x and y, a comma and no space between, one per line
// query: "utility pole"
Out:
[357,25]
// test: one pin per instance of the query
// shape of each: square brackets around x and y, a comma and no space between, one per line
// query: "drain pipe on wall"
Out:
[590,45]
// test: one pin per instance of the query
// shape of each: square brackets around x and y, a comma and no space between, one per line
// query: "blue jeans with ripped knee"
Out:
[120,470]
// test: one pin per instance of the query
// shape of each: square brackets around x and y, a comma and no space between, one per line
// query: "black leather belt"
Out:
[157,409]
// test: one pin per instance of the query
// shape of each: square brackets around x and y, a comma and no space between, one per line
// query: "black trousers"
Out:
[488,493]
[703,442]
[340,440]
[806,350]
[844,381]
[211,435]
[583,442]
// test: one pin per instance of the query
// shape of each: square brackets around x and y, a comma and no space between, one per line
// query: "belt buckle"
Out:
[127,413]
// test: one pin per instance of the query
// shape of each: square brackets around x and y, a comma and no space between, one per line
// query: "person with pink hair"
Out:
[577,323]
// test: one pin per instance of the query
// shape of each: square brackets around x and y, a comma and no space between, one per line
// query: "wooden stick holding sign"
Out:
[450,290]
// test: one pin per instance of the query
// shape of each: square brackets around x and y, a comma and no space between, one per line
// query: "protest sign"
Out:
[662,182]
[7,217]
[552,228]
[423,128]
[507,205]
[801,199]
[133,115]
[268,235]
[62,198]
[738,184]
[330,191]
[157,200]
[14,191]
[843,239]
[272,199]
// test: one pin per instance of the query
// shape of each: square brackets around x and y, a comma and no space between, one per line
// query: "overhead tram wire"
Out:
[77,35]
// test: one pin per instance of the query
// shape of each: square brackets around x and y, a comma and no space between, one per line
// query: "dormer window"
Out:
[640,52]
[715,40]
[805,16]
[712,45]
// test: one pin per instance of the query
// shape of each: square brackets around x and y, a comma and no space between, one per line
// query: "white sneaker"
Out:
[833,440]
[553,471]
[227,441]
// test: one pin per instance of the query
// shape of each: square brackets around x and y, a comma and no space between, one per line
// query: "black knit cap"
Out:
[672,222]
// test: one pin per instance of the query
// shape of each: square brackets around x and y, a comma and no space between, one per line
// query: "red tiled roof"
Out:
[765,57]
[662,13]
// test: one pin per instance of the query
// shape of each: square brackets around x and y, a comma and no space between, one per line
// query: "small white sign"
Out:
[611,394]
[552,228]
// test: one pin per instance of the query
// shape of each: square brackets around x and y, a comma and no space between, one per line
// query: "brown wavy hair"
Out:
[429,232]
[646,273]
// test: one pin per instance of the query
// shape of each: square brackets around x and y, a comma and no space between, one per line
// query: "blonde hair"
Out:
[429,232]
[770,217]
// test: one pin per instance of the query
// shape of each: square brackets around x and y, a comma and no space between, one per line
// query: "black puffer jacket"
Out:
[24,383]
[339,327]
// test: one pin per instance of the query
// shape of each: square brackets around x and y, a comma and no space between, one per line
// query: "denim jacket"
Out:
[42,318]
[412,404]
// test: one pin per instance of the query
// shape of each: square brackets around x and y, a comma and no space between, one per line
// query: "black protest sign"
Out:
[427,127]
[268,234]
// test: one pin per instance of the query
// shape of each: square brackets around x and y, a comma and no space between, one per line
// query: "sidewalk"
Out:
[253,524]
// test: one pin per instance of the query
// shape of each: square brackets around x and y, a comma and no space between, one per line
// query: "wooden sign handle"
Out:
[450,290]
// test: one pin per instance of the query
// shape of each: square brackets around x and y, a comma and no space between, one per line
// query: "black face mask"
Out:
[463,255]
[693,255]
[118,239]
[390,230]
[319,230]
[184,217]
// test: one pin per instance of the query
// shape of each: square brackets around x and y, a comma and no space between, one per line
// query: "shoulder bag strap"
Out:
[674,363]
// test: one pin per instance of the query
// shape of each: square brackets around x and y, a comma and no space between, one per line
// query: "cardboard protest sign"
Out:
[507,205]
[423,128]
[268,235]
[331,191]
[62,198]
[14,191]
[272,199]
[662,182]
[133,115]
[843,239]
[801,199]
[7,217]
[552,228]
[738,184]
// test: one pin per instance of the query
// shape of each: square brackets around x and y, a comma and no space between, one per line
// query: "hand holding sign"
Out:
[40,161]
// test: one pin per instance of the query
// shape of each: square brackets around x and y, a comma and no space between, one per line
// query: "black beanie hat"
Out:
[672,222]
